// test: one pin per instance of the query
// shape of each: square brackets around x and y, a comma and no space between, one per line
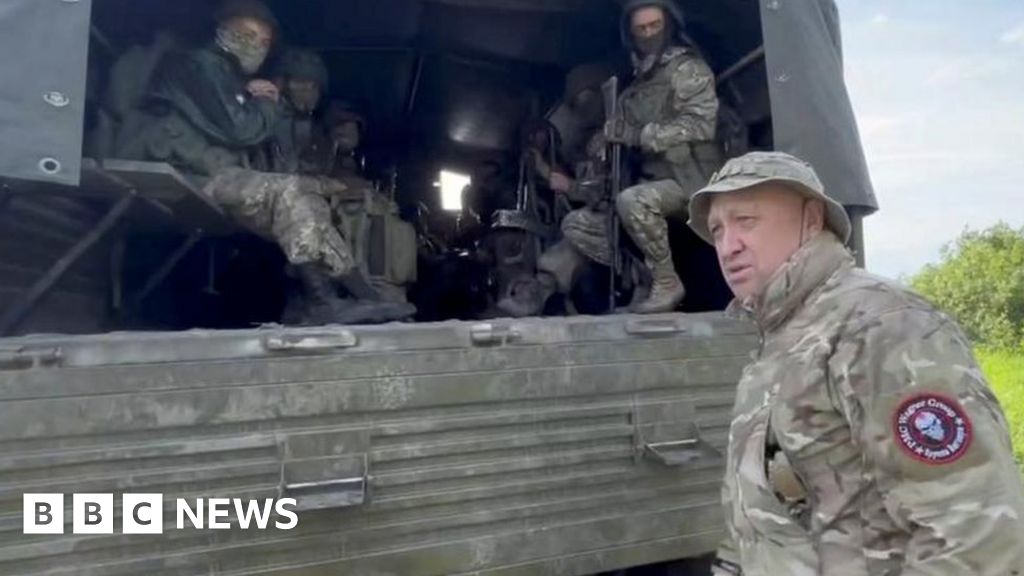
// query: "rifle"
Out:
[610,91]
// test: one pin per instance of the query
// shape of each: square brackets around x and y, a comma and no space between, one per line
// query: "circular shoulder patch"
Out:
[932,428]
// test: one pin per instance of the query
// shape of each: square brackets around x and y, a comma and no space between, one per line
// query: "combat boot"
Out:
[372,311]
[322,305]
[528,297]
[667,289]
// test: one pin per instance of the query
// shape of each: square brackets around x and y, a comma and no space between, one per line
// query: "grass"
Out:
[1005,372]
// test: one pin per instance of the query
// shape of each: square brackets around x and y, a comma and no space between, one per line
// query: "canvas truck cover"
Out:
[41,111]
[44,46]
[811,111]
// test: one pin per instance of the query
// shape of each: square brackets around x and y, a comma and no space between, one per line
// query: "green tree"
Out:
[980,281]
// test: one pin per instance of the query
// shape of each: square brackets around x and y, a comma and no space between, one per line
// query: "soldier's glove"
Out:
[619,132]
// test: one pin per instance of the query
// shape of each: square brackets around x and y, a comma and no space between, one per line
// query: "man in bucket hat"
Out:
[864,437]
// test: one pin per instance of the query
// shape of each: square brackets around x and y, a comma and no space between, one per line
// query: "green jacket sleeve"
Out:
[935,444]
[211,94]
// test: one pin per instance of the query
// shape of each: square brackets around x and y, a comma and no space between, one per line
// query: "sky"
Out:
[938,90]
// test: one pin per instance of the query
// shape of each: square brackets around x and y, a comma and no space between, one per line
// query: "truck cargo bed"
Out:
[543,446]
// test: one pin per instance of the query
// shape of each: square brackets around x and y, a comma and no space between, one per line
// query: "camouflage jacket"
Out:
[675,108]
[864,438]
[198,115]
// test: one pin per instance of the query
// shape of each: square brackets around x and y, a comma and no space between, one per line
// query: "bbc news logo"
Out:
[144,514]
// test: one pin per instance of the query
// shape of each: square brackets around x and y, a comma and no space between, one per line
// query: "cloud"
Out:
[1014,35]
[880,19]
[964,68]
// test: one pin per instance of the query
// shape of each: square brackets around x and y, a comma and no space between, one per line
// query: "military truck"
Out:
[140,354]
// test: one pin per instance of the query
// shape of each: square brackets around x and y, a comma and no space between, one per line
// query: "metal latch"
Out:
[654,328]
[24,358]
[319,342]
[334,493]
[322,470]
[490,335]
[667,432]
[679,452]
[674,453]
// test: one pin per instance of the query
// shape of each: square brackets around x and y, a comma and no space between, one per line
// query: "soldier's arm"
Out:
[229,115]
[695,104]
[935,443]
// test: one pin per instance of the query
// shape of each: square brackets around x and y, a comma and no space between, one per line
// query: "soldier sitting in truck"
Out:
[584,230]
[299,144]
[303,144]
[391,265]
[206,112]
[668,117]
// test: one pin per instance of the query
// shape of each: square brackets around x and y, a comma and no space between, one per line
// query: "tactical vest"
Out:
[383,244]
[650,100]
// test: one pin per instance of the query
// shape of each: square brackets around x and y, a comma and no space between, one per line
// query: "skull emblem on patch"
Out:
[932,428]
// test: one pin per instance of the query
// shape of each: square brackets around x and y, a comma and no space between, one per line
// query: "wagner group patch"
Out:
[932,428]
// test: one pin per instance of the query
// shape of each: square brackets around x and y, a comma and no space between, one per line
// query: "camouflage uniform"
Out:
[584,230]
[584,239]
[673,110]
[291,210]
[199,116]
[864,437]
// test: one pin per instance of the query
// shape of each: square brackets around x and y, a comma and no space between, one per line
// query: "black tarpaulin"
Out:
[811,112]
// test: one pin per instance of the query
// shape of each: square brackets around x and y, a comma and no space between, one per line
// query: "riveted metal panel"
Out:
[508,447]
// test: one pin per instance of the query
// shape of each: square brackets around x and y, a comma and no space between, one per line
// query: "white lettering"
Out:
[92,514]
[218,508]
[142,513]
[196,517]
[252,510]
[283,508]
[42,513]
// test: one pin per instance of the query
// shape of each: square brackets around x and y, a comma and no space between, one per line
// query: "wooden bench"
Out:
[144,197]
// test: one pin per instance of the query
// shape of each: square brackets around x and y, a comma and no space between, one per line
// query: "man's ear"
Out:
[814,217]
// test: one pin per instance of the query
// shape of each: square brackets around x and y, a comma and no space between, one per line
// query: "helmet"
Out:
[301,64]
[534,125]
[231,9]
[672,11]
[340,112]
[587,76]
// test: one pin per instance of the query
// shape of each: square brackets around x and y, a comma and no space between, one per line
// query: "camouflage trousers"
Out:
[585,237]
[643,210]
[291,210]
[586,230]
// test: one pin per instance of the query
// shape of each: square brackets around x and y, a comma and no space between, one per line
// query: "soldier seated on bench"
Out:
[206,112]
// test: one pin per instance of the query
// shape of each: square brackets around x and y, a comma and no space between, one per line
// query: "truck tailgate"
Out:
[541,446]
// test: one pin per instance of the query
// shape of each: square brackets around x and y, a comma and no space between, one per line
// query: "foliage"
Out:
[1005,371]
[980,281]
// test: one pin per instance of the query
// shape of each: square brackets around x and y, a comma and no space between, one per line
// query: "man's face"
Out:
[304,95]
[250,41]
[757,230]
[648,28]
[346,135]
